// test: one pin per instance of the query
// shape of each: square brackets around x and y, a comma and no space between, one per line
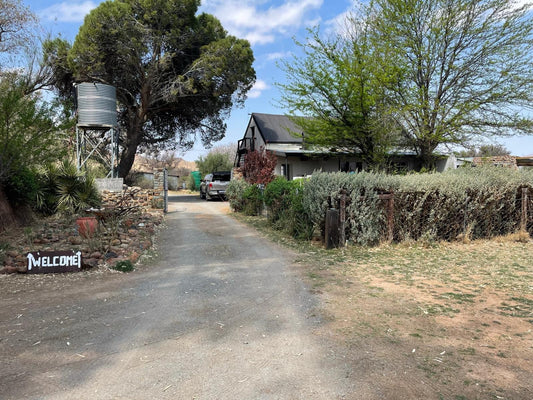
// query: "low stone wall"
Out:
[134,197]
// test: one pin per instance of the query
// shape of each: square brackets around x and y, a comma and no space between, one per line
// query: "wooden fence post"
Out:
[332,228]
[342,219]
[523,219]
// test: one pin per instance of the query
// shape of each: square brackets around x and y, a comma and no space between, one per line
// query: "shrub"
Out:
[478,202]
[283,200]
[252,200]
[65,189]
[277,198]
[259,167]
[234,194]
[123,266]
[21,187]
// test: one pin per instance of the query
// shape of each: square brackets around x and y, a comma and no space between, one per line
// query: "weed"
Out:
[459,297]
[123,266]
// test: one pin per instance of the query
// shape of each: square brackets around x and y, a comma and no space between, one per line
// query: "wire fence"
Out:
[411,215]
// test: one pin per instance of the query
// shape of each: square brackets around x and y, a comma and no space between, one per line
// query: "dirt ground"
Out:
[439,321]
[448,321]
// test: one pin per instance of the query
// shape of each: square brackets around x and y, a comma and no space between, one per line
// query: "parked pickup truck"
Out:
[214,185]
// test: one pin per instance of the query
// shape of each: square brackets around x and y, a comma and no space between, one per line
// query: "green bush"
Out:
[234,194]
[277,198]
[65,189]
[252,200]
[21,187]
[283,200]
[123,266]
[480,202]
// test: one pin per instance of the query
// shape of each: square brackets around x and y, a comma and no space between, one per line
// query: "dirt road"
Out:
[219,314]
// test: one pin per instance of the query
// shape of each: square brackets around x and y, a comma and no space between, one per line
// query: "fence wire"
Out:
[403,216]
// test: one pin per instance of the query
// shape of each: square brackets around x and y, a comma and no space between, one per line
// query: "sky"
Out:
[271,26]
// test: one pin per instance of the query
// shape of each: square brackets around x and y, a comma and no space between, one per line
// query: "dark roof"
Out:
[277,128]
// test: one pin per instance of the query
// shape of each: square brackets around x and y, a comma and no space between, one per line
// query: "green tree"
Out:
[486,150]
[460,69]
[334,87]
[28,134]
[220,158]
[177,74]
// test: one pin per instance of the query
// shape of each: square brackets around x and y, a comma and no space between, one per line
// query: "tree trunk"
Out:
[133,139]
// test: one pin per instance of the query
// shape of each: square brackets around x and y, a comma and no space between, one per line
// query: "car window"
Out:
[222,176]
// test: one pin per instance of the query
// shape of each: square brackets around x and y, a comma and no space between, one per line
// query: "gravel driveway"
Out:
[219,314]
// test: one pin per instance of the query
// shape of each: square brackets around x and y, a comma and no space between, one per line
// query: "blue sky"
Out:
[269,25]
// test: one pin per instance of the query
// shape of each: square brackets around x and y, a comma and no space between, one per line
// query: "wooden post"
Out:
[332,228]
[523,219]
[342,219]
[389,209]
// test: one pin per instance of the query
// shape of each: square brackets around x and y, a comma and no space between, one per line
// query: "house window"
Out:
[286,171]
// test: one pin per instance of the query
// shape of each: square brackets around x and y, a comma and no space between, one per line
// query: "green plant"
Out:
[234,193]
[21,187]
[283,200]
[65,189]
[123,266]
[157,202]
[253,200]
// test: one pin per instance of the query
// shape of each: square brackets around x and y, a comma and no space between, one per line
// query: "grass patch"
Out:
[123,266]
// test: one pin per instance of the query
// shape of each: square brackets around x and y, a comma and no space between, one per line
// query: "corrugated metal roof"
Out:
[277,128]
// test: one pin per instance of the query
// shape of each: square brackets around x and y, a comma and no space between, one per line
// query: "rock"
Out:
[146,244]
[22,269]
[89,263]
[110,254]
[132,232]
[74,240]
[9,270]
[115,242]
[96,254]
[134,256]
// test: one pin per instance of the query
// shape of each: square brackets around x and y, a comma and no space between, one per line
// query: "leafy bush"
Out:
[252,200]
[21,187]
[259,167]
[283,200]
[277,198]
[123,266]
[479,202]
[234,194]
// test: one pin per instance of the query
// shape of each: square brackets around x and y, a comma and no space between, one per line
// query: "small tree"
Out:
[259,167]
[220,158]
[28,135]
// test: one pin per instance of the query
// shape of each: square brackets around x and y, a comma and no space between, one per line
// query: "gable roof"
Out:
[276,128]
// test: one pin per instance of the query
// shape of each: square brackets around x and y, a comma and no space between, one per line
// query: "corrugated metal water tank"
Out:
[97,104]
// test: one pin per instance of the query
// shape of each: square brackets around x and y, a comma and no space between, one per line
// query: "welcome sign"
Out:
[43,262]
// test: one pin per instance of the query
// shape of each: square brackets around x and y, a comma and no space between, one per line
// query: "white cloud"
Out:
[259,24]
[68,11]
[278,55]
[258,89]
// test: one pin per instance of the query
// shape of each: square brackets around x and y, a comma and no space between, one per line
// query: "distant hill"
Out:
[176,166]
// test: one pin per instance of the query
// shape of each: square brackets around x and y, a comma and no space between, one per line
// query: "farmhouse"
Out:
[279,134]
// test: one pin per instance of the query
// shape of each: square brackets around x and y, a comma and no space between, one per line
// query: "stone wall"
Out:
[146,199]
[500,161]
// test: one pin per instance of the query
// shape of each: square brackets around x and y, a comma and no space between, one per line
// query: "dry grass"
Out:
[428,320]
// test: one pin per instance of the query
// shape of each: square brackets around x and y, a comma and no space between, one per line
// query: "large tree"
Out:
[462,68]
[16,23]
[333,86]
[177,74]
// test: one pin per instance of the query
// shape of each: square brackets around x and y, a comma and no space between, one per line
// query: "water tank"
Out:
[97,105]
